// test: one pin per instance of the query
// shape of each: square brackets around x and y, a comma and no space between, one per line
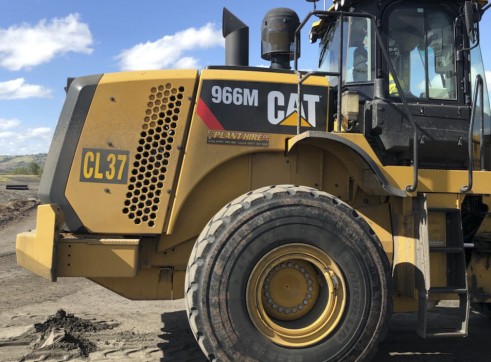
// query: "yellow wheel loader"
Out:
[294,211]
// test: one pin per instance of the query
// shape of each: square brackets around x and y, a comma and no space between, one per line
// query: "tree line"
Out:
[32,168]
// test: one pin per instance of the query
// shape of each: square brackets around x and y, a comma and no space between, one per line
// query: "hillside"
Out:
[9,164]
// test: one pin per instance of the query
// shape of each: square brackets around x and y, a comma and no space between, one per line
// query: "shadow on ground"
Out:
[401,344]
[178,343]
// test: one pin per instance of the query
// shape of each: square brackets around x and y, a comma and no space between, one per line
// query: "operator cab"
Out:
[428,55]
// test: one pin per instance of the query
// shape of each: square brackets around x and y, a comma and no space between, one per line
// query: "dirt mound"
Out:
[63,334]
[15,208]
[71,324]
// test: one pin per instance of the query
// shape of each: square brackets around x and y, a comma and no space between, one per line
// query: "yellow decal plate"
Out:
[104,166]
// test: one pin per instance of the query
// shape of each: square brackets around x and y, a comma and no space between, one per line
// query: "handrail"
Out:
[302,77]
[379,43]
[478,89]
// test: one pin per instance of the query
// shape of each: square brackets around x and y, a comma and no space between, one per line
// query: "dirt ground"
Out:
[77,320]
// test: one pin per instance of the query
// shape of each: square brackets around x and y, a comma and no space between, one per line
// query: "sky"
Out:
[43,42]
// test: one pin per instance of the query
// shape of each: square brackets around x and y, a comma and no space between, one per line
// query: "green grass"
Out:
[6,178]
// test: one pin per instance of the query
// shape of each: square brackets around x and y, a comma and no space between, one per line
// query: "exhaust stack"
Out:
[236,35]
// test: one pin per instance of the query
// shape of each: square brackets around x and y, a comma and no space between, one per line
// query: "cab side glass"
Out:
[358,65]
[421,47]
[477,67]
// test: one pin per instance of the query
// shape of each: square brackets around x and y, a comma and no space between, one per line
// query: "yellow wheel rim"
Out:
[296,295]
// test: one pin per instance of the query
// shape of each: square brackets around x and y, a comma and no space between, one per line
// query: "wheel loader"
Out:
[294,210]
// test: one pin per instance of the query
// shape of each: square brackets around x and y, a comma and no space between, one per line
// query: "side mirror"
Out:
[471,18]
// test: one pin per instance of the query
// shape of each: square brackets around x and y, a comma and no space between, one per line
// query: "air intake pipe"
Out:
[278,37]
[236,35]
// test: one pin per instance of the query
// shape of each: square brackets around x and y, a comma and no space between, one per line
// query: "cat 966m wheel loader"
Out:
[294,211]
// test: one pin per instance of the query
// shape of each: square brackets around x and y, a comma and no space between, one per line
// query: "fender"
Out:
[329,140]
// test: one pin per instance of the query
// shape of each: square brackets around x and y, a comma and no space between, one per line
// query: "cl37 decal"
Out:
[104,166]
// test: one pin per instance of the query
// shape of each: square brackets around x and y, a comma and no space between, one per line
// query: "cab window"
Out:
[356,47]
[421,48]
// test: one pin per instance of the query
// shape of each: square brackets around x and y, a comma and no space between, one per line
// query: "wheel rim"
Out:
[296,295]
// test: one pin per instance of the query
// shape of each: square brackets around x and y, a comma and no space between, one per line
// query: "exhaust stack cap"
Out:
[278,37]
[236,35]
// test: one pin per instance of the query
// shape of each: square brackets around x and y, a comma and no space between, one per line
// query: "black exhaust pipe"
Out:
[236,35]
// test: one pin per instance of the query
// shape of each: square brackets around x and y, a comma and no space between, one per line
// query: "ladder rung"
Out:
[447,250]
[449,290]
[443,209]
[446,334]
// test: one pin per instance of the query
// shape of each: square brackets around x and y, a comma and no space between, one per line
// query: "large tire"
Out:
[288,273]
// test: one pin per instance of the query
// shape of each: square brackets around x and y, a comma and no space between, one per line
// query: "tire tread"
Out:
[225,216]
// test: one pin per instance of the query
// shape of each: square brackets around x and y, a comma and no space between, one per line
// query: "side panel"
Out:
[239,113]
[125,162]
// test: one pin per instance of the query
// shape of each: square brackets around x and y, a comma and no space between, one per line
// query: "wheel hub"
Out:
[290,290]
[296,295]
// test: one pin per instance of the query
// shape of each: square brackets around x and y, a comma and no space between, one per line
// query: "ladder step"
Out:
[446,250]
[444,290]
[450,243]
[446,334]
[443,210]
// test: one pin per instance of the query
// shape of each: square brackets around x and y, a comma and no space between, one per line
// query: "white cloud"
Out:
[34,133]
[19,89]
[488,79]
[168,51]
[15,140]
[6,124]
[186,63]
[25,46]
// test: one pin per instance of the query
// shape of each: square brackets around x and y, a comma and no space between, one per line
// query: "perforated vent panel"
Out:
[148,175]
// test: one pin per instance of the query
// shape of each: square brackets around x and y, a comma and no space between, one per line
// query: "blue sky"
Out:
[42,42]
